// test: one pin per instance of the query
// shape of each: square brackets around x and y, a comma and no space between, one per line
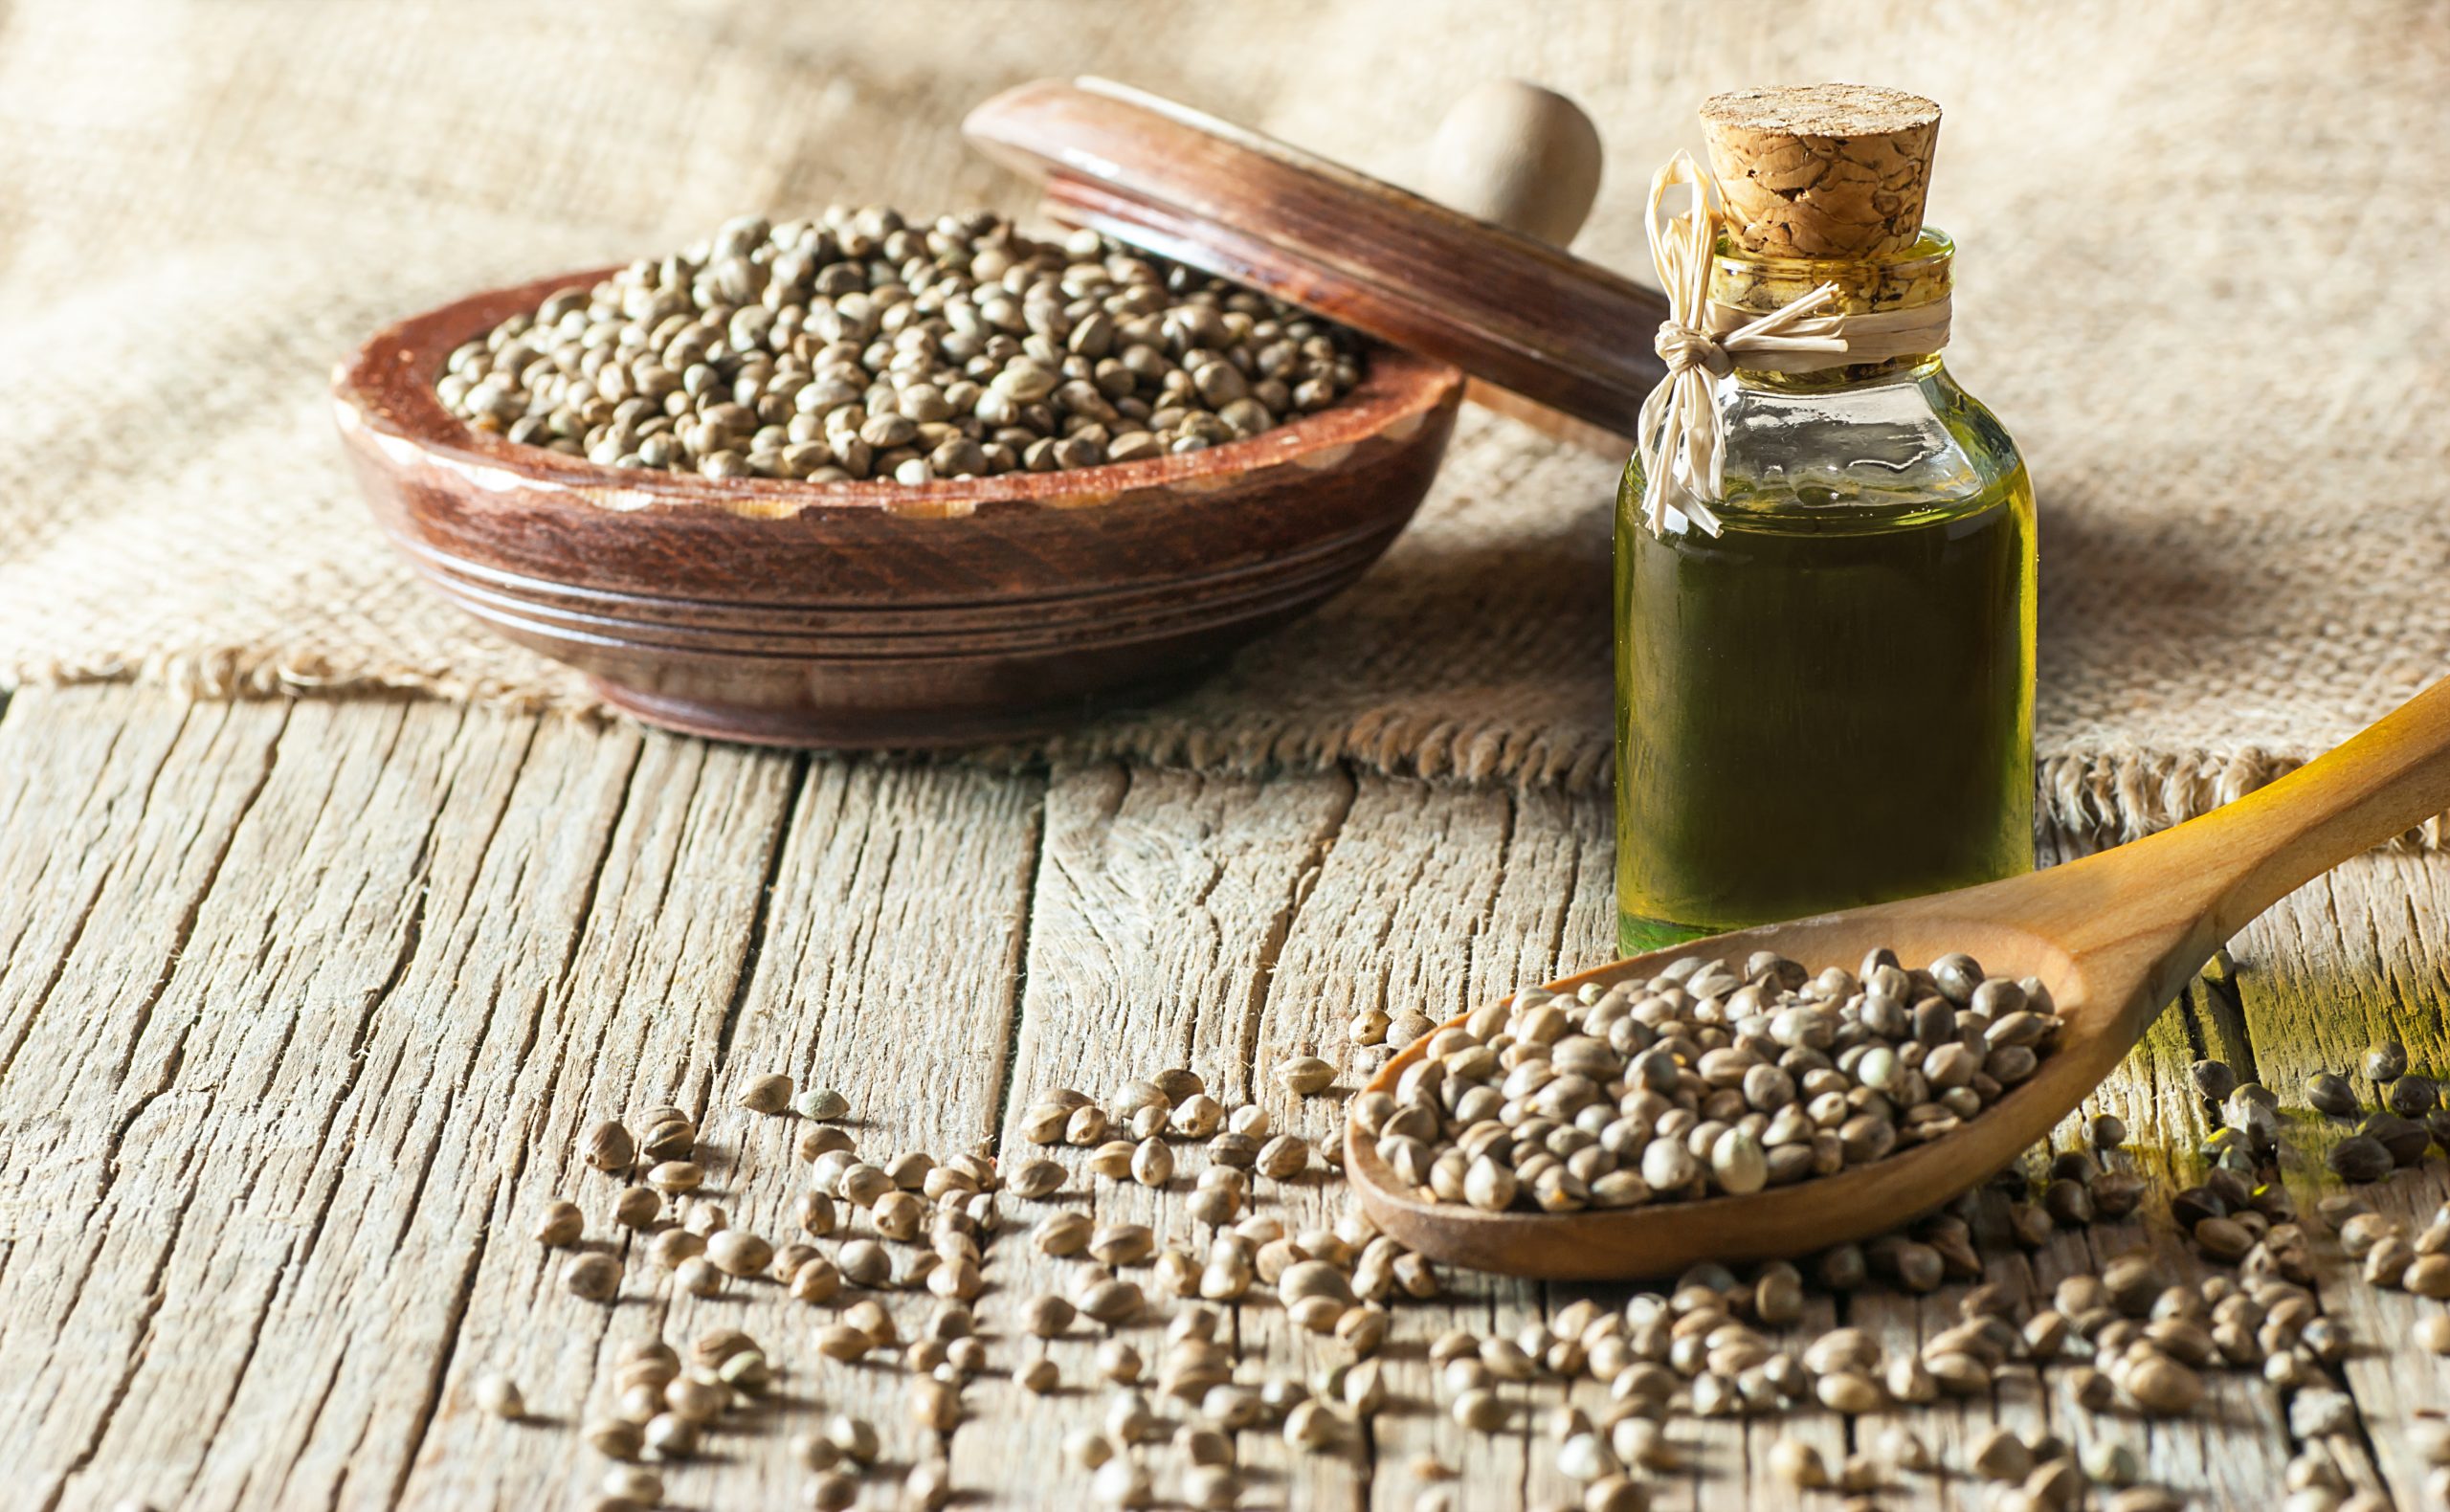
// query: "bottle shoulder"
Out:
[1875,455]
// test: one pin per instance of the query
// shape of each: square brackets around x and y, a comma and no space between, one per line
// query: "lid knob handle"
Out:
[1518,156]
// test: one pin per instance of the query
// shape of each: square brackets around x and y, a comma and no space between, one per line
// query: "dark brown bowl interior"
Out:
[880,615]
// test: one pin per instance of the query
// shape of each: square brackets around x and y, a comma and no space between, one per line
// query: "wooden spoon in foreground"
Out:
[2115,936]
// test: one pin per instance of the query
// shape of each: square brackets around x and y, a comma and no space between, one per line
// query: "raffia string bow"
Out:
[1681,438]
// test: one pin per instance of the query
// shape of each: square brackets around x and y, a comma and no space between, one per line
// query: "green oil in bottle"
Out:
[1830,703]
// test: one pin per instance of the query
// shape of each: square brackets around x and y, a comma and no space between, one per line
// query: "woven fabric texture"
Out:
[2202,280]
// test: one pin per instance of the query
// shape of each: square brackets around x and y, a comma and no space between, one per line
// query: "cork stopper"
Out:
[1822,171]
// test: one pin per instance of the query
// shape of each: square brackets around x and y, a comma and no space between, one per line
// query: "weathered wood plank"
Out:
[2355,956]
[530,982]
[219,1191]
[107,884]
[607,967]
[888,970]
[302,1009]
[1431,900]
[1162,905]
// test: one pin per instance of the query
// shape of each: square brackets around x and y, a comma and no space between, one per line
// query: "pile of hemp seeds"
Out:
[1704,1080]
[894,1255]
[855,345]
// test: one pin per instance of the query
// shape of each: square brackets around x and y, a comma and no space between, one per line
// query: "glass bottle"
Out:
[1831,702]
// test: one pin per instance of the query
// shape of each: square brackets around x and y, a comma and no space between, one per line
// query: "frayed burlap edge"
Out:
[2082,802]
[244,672]
[2085,803]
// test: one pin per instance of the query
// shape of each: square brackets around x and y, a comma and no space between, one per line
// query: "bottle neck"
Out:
[1920,276]
[1836,380]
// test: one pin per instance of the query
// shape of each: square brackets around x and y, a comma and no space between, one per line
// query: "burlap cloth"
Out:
[2203,279]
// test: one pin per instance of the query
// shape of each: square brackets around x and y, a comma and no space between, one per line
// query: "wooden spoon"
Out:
[2115,936]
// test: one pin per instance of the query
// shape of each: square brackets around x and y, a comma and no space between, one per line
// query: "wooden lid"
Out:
[1508,309]
[1822,171]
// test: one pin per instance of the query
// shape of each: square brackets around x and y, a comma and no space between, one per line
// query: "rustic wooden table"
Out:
[302,1005]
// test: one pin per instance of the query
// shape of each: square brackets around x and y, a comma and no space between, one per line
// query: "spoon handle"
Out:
[2238,861]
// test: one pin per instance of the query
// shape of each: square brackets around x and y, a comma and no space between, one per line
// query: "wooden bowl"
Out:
[877,613]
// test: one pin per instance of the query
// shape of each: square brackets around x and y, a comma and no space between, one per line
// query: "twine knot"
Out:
[1682,348]
[1682,441]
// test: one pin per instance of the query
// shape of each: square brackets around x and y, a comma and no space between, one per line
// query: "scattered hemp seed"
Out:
[823,1104]
[560,1225]
[1035,1179]
[609,1147]
[2329,1092]
[1123,1482]
[592,1277]
[833,1491]
[1306,1076]
[670,1246]
[2111,1463]
[2385,1061]
[666,1133]
[2413,1097]
[737,1252]
[1211,1487]
[1479,1409]
[1046,1317]
[855,1436]
[498,1395]
[634,1485]
[673,1177]
[768,1094]
[637,1207]
[614,1437]
[1706,1079]
[856,344]
[2359,1158]
[1999,1454]
[1901,1447]
[1282,1158]
[1798,1465]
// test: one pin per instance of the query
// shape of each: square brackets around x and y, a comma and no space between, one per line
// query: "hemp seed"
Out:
[766,1094]
[499,1396]
[1306,1076]
[592,1277]
[560,1225]
[2327,1092]
[823,1104]
[736,1252]
[609,1147]
[675,1176]
[2359,1158]
[613,1437]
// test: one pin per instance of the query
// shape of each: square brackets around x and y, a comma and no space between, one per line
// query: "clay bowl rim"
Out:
[386,389]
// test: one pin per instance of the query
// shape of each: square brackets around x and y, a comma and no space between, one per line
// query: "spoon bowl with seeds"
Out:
[1776,1090]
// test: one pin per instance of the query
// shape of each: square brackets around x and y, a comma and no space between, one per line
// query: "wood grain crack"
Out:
[155,1295]
[84,916]
[1017,968]
[753,954]
[586,909]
